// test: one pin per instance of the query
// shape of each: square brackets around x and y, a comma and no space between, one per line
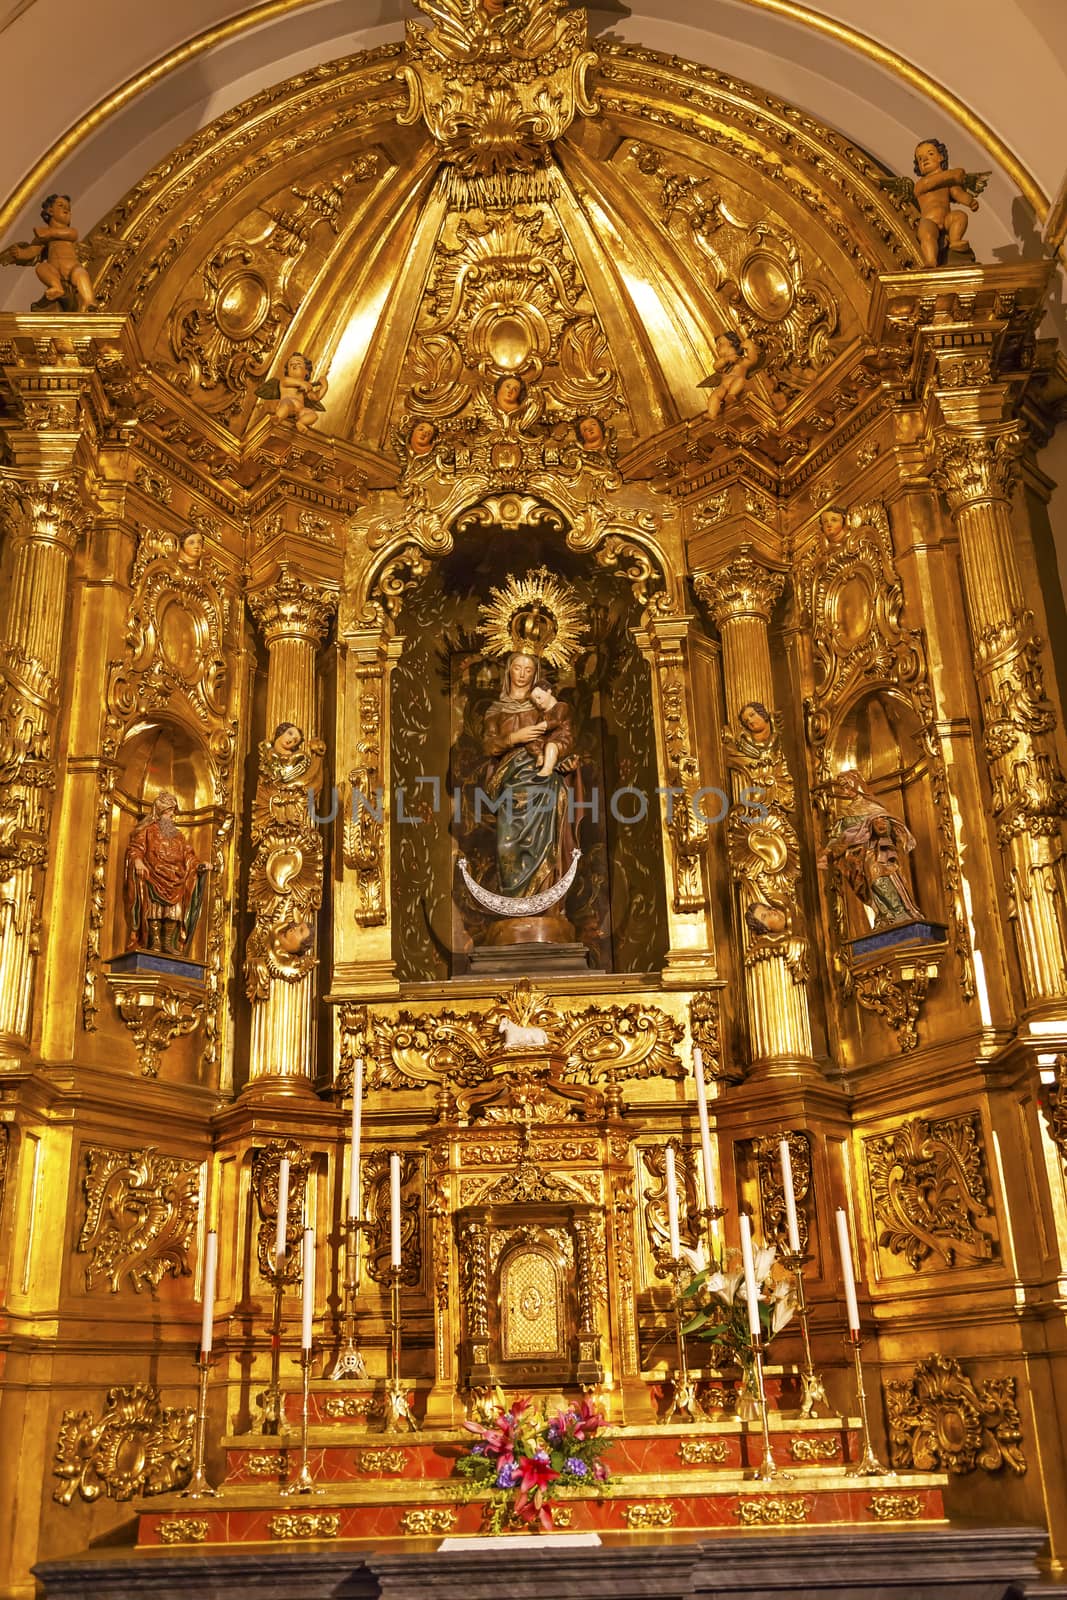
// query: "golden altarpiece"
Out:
[493,358]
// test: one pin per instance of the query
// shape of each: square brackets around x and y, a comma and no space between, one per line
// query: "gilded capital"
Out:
[978,466]
[46,510]
[744,587]
[292,609]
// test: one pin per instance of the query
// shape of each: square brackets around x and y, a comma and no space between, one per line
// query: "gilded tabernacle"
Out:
[533,903]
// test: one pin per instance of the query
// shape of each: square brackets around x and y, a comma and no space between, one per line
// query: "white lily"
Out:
[763,1261]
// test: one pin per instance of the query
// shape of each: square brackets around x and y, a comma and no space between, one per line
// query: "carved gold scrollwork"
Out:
[495,93]
[363,827]
[156,1012]
[137,1447]
[140,1212]
[266,1172]
[429,1519]
[774,1510]
[772,1198]
[375,1168]
[895,1507]
[654,1161]
[183,1530]
[304,1525]
[1054,1102]
[940,1419]
[703,1452]
[812,1447]
[929,1190]
[895,989]
[649,1514]
[705,1031]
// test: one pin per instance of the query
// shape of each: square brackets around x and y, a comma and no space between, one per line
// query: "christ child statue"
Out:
[557,738]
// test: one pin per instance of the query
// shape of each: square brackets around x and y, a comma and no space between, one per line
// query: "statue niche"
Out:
[563,730]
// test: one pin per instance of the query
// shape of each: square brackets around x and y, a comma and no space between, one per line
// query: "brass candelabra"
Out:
[350,1362]
[303,1482]
[868,1465]
[683,1406]
[272,1401]
[811,1385]
[199,1486]
[767,1470]
[398,1411]
[711,1216]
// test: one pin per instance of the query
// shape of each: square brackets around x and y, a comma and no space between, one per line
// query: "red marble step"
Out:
[825,1444]
[792,1503]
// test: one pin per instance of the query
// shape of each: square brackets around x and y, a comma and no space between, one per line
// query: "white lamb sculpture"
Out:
[519,1038]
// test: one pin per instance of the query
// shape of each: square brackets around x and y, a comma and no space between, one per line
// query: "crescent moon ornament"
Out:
[533,905]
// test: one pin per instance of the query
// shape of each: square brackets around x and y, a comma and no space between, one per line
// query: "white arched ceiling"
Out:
[64,58]
[1013,76]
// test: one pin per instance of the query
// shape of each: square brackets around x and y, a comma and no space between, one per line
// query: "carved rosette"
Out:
[140,1212]
[138,1447]
[929,1191]
[942,1420]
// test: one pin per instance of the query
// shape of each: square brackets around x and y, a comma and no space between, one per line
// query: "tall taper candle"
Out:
[211,1263]
[791,1225]
[394,1209]
[672,1205]
[307,1267]
[283,1212]
[844,1243]
[354,1195]
[705,1130]
[751,1287]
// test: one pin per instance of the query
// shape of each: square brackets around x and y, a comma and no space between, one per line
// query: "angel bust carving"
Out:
[936,185]
[54,255]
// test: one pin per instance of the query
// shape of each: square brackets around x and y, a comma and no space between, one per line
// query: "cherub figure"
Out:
[936,185]
[54,254]
[736,355]
[295,394]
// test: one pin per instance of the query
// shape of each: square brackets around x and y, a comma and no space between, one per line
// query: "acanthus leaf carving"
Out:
[140,1212]
[138,1447]
[940,1419]
[929,1191]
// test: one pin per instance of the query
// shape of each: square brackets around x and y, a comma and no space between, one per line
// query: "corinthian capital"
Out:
[978,466]
[292,609]
[48,510]
[744,587]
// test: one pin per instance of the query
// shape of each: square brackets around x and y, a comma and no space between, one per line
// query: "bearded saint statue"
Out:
[164,882]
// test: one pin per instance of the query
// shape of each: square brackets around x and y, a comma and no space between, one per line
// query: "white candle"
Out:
[394,1209]
[791,1224]
[354,1194]
[283,1212]
[705,1130]
[844,1244]
[672,1206]
[308,1303]
[211,1262]
[751,1287]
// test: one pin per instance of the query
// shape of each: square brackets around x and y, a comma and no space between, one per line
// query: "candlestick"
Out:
[844,1242]
[751,1288]
[350,1362]
[706,1162]
[394,1210]
[683,1406]
[670,1179]
[767,1468]
[812,1390]
[397,1410]
[303,1483]
[792,1226]
[354,1182]
[207,1324]
[868,1466]
[307,1306]
[283,1211]
[199,1486]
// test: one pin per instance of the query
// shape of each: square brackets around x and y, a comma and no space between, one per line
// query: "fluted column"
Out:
[293,618]
[741,596]
[976,469]
[45,518]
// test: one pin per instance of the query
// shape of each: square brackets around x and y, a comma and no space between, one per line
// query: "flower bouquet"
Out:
[719,1311]
[522,1456]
